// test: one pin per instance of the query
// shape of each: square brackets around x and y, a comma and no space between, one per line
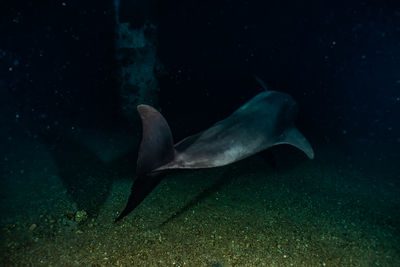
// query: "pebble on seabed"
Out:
[32,227]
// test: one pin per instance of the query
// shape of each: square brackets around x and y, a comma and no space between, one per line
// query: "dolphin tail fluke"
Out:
[140,189]
[156,149]
[294,137]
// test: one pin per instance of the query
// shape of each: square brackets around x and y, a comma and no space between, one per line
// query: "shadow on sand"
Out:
[86,177]
[227,176]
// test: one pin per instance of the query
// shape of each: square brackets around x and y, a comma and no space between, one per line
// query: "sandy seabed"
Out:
[335,210]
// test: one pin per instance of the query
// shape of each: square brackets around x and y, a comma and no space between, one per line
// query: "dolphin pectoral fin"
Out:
[294,137]
[140,189]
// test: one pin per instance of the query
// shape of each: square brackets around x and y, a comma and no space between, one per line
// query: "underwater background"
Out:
[72,73]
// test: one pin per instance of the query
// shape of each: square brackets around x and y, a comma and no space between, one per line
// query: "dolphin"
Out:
[264,121]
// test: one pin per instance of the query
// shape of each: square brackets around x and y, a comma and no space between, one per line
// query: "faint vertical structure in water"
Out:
[136,54]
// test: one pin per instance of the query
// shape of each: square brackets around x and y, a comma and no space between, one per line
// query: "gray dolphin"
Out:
[264,121]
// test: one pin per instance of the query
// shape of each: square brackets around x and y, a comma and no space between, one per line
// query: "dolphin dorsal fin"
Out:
[261,82]
[294,137]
